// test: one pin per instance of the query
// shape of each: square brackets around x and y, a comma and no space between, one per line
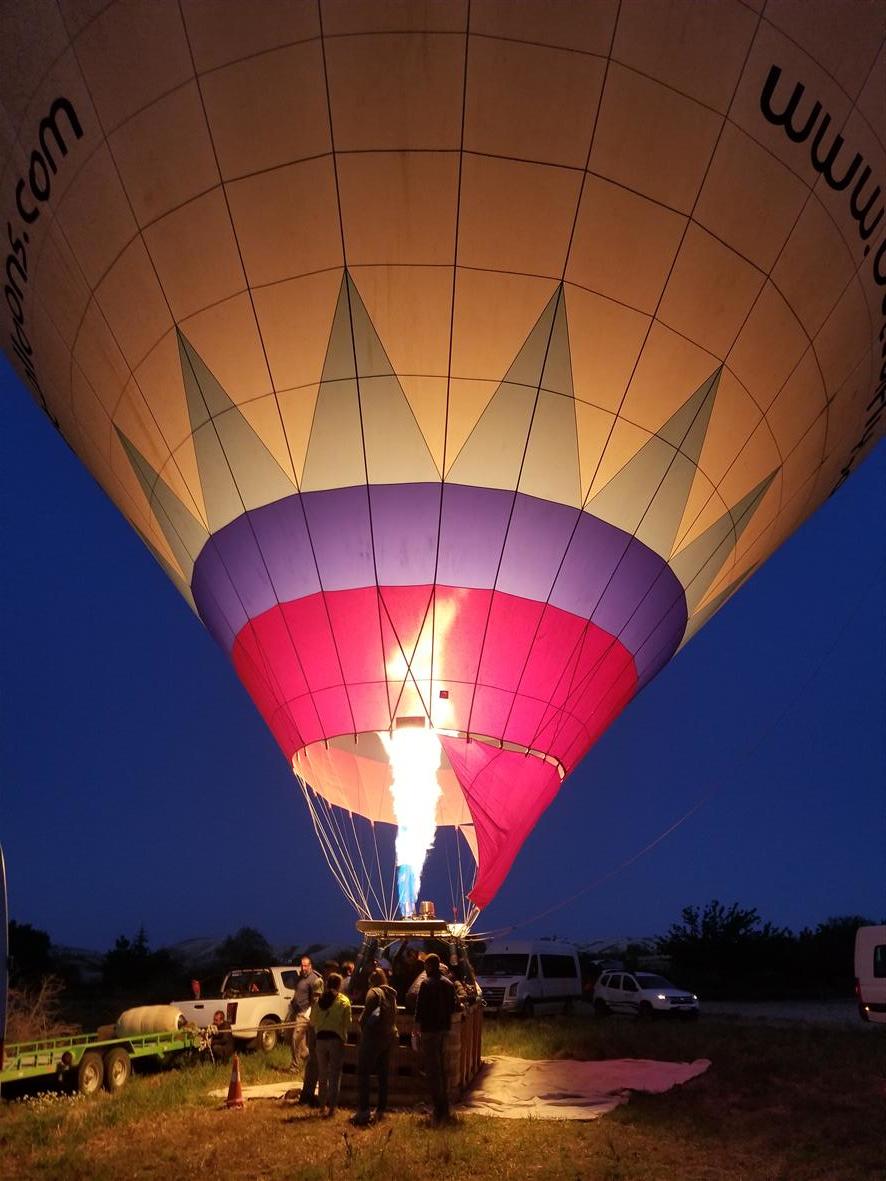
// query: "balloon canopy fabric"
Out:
[458,360]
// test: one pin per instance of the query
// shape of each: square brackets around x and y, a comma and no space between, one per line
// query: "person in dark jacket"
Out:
[378,1037]
[434,1006]
[221,1039]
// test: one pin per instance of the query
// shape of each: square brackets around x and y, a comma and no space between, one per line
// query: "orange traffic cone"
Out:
[235,1090]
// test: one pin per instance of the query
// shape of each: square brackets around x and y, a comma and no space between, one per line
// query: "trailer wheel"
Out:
[118,1068]
[90,1072]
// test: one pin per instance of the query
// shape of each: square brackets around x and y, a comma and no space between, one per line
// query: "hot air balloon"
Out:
[458,361]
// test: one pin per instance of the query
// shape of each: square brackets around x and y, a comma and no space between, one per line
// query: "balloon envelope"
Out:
[458,363]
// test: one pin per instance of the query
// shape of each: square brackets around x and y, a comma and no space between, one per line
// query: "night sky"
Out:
[140,786]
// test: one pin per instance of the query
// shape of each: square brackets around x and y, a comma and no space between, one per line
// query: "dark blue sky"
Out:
[140,786]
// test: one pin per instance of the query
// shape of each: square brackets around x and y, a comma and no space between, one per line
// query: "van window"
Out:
[558,967]
[500,964]
[532,974]
[880,961]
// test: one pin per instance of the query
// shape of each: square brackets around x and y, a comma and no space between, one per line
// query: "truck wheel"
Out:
[90,1072]
[118,1068]
[267,1036]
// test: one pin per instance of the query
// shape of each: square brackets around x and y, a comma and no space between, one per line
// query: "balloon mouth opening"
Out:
[415,754]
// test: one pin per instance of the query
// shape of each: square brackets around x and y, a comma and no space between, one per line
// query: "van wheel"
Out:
[528,1009]
[267,1036]
[601,1009]
[117,1069]
[90,1073]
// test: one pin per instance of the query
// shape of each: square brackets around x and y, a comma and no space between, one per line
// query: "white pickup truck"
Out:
[254,1000]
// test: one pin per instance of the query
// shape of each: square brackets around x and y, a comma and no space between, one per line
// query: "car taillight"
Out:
[232,1011]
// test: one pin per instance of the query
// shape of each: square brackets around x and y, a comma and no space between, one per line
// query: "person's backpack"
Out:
[384,1016]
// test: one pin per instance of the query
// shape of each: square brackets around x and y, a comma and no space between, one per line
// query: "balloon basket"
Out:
[382,940]
[407,1085]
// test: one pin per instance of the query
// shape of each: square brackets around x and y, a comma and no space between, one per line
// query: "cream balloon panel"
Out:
[140,236]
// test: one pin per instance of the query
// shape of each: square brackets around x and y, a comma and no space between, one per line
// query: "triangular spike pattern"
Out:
[648,496]
[507,437]
[237,471]
[551,467]
[699,564]
[170,571]
[697,622]
[184,533]
[557,376]
[363,428]
[528,367]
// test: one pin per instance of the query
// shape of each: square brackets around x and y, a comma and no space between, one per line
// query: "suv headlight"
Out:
[662,997]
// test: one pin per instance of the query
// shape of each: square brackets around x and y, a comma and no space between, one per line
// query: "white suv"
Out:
[642,994]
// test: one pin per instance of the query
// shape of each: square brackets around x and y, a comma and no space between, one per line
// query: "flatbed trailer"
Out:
[89,1061]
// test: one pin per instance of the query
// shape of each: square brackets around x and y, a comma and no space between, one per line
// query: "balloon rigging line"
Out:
[347,875]
[334,821]
[335,829]
[718,787]
[459,837]
[449,875]
[381,876]
[370,886]
[328,851]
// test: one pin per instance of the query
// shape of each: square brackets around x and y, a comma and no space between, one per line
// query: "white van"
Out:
[524,977]
[870,973]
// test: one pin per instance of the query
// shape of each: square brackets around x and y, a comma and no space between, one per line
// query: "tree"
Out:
[131,966]
[826,955]
[729,951]
[247,948]
[30,953]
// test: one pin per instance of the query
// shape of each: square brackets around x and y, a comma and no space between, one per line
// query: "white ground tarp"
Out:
[562,1088]
[520,1088]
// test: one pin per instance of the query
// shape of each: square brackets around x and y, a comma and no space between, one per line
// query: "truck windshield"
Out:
[248,983]
[494,964]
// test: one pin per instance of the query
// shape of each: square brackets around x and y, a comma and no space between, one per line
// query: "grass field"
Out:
[801,1103]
